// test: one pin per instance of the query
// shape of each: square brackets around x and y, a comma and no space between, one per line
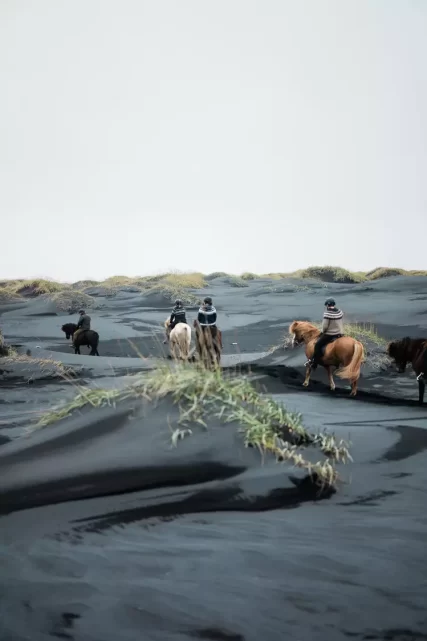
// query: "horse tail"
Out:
[352,370]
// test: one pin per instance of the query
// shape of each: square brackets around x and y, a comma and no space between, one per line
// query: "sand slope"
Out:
[110,532]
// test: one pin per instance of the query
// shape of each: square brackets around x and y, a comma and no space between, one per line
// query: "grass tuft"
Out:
[235,281]
[72,300]
[202,394]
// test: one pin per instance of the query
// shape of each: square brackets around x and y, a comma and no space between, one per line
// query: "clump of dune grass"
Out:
[48,366]
[387,272]
[203,394]
[33,288]
[249,276]
[72,301]
[82,284]
[235,281]
[117,281]
[214,275]
[331,274]
[177,285]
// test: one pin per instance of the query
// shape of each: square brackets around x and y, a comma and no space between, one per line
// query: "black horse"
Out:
[88,337]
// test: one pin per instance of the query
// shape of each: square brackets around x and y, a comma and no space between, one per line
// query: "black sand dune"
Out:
[110,530]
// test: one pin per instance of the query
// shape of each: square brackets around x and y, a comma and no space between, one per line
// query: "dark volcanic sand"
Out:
[109,533]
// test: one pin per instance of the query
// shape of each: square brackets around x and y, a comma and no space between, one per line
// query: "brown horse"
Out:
[345,352]
[87,337]
[208,344]
[414,351]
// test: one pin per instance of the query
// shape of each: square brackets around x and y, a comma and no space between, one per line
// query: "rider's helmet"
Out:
[330,302]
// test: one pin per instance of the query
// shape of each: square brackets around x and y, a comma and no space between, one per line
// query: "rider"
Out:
[83,323]
[332,328]
[207,313]
[178,315]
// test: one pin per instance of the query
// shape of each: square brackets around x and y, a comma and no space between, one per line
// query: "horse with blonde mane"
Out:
[344,352]
[179,340]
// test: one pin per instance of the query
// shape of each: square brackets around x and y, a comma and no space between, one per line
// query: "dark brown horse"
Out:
[414,351]
[208,344]
[88,337]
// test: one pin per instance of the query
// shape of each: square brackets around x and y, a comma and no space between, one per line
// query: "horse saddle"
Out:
[332,340]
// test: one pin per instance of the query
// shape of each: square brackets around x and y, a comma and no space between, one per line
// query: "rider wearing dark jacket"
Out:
[84,321]
[178,314]
[332,328]
[207,313]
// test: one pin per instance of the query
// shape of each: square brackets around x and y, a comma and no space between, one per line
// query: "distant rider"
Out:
[332,328]
[83,323]
[178,315]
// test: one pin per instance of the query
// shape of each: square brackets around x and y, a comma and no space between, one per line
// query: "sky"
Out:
[142,136]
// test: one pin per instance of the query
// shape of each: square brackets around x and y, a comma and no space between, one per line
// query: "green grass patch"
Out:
[202,394]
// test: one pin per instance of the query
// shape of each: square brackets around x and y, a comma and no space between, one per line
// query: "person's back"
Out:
[333,324]
[332,327]
[84,321]
[178,314]
[207,313]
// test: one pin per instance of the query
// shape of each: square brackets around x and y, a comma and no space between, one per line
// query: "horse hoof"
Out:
[305,384]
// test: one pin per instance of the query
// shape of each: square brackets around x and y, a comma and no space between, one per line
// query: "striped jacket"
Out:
[333,322]
[207,315]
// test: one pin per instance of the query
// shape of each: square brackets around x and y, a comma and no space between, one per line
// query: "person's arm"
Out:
[325,324]
[80,322]
[201,316]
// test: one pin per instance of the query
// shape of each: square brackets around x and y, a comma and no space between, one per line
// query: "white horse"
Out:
[179,340]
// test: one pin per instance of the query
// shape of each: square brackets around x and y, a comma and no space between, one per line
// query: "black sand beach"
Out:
[111,531]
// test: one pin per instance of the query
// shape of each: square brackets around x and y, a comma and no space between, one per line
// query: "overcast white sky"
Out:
[139,136]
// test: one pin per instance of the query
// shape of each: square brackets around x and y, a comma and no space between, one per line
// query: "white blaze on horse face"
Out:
[294,340]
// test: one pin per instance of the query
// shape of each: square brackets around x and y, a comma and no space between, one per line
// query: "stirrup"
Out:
[420,376]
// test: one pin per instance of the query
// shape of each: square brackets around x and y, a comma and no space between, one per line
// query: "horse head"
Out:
[69,329]
[300,330]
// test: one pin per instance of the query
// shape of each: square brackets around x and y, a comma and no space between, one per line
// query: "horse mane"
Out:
[405,348]
[305,326]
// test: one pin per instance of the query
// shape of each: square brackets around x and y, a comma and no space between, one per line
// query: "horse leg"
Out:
[354,387]
[307,375]
[330,377]
[421,390]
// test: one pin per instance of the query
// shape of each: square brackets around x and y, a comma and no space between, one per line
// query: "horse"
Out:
[179,339]
[87,337]
[414,351]
[344,351]
[208,344]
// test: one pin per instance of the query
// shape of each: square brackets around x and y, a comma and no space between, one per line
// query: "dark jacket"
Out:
[178,315]
[84,322]
[207,316]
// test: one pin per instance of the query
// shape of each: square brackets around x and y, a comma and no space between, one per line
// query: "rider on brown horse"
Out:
[332,328]
[178,315]
[207,315]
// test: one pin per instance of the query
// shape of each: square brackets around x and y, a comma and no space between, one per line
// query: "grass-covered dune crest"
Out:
[181,284]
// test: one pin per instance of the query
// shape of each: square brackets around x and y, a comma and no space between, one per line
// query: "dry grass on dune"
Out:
[177,284]
[72,300]
[202,394]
